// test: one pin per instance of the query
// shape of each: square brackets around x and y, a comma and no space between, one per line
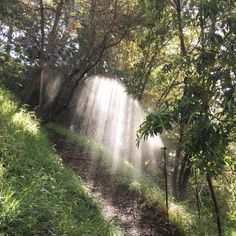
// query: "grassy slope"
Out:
[182,215]
[38,195]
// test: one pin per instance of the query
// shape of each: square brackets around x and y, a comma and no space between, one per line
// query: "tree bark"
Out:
[182,169]
[197,194]
[31,87]
[182,185]
[66,93]
[215,204]
[41,89]
[177,161]
[180,27]
[9,41]
[42,56]
[166,181]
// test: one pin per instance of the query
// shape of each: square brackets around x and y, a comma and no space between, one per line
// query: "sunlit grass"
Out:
[38,195]
[27,123]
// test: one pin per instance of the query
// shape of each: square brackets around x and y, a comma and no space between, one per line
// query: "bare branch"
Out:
[52,34]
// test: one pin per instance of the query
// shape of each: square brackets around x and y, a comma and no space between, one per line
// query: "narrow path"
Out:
[127,209]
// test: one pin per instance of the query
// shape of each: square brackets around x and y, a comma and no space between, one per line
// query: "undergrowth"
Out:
[184,215]
[38,195]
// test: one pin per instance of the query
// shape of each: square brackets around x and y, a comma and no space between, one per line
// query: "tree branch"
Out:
[42,26]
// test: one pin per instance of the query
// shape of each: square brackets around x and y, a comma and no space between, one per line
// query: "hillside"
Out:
[39,195]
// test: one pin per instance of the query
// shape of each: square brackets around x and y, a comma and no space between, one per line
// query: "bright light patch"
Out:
[103,110]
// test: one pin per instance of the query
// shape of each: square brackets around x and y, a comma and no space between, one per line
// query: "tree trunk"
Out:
[9,41]
[180,28]
[197,194]
[215,204]
[183,167]
[183,183]
[69,86]
[66,93]
[31,87]
[177,161]
[166,181]
[41,86]
[181,174]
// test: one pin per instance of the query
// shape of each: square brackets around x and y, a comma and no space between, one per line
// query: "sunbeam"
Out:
[103,110]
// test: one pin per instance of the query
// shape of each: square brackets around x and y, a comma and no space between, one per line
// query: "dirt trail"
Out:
[127,209]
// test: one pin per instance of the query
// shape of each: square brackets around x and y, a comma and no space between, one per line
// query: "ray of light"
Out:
[103,110]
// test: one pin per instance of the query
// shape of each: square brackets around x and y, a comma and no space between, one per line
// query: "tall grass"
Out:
[184,216]
[38,195]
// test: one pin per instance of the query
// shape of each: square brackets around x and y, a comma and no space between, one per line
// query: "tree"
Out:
[204,111]
[67,35]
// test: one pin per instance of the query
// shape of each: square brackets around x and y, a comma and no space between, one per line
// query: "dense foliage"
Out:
[193,77]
